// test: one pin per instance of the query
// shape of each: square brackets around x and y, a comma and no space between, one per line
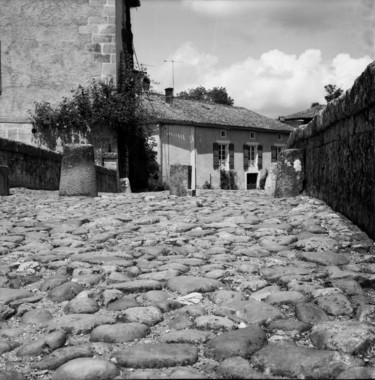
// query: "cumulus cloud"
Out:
[274,84]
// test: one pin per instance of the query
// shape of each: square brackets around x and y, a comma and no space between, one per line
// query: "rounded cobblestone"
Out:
[151,284]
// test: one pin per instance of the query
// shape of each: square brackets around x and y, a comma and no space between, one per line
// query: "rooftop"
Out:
[307,114]
[201,113]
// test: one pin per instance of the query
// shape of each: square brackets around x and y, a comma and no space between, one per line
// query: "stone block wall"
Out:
[50,47]
[339,153]
[39,169]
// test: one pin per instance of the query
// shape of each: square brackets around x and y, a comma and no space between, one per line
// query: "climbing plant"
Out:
[228,180]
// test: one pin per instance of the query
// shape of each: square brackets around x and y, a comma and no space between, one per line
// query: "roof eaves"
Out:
[214,125]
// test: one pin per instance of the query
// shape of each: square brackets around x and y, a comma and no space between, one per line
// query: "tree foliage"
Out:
[85,113]
[83,116]
[332,92]
[215,95]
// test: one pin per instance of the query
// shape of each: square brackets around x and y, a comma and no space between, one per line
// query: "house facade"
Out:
[210,138]
[49,48]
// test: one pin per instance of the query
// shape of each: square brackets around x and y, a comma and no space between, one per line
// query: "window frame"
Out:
[223,133]
[252,153]
[277,149]
[223,154]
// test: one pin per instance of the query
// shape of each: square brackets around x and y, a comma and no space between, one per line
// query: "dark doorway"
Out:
[251,181]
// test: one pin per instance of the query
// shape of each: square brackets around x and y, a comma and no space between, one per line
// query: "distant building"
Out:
[208,137]
[302,117]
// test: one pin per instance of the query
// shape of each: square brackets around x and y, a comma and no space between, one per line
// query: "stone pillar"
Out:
[78,174]
[270,184]
[290,173]
[179,180]
[4,180]
[125,185]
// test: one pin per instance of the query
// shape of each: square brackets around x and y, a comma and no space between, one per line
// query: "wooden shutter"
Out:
[246,156]
[231,156]
[216,155]
[273,154]
[260,157]
[0,71]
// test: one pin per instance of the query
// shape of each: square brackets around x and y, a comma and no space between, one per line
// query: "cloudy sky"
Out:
[273,56]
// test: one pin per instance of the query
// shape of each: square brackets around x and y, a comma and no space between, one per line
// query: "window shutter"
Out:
[1,87]
[246,155]
[216,155]
[273,154]
[260,157]
[231,156]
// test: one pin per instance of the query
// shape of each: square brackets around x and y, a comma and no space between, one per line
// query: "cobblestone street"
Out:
[227,284]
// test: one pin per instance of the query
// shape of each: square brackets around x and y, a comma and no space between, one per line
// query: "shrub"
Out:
[207,186]
[262,180]
[228,180]
[157,184]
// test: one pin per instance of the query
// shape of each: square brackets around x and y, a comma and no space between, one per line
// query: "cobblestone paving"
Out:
[222,285]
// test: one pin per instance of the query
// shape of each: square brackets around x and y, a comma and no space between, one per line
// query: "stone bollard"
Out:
[179,179]
[270,184]
[125,185]
[78,174]
[290,173]
[4,180]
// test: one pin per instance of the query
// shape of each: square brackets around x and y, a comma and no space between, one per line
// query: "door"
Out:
[251,181]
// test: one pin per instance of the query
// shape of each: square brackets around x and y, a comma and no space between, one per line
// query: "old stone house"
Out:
[208,137]
[48,48]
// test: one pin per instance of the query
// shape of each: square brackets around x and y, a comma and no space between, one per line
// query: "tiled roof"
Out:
[307,114]
[209,114]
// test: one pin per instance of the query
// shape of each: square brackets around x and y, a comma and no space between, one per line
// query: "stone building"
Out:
[207,137]
[48,48]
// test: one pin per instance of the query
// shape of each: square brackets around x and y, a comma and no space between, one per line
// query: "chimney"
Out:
[169,95]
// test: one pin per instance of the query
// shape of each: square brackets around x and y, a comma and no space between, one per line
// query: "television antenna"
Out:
[173,62]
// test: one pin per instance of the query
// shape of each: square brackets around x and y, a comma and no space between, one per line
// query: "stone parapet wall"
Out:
[339,152]
[37,168]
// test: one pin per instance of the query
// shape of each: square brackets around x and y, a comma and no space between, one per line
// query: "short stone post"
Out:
[270,184]
[178,181]
[78,174]
[4,180]
[290,173]
[125,185]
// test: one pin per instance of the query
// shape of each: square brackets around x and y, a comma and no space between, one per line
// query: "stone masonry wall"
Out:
[339,153]
[49,47]
[36,168]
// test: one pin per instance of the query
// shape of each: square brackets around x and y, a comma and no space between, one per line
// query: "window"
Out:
[275,151]
[279,137]
[252,135]
[252,154]
[222,154]
[249,155]
[223,133]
